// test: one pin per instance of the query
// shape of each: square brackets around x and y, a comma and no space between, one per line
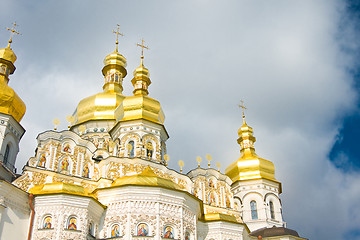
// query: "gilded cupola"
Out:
[10,102]
[140,105]
[249,165]
[102,106]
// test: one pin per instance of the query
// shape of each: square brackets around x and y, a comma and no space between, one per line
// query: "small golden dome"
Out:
[249,165]
[146,178]
[10,102]
[140,106]
[8,54]
[141,71]
[103,105]
[115,60]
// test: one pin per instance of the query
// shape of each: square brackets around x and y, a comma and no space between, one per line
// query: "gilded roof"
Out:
[145,178]
[249,165]
[59,187]
[10,102]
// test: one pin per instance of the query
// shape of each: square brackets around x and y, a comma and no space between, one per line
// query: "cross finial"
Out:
[243,108]
[142,49]
[12,32]
[117,35]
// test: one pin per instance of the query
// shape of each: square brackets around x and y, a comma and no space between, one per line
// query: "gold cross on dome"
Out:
[243,108]
[12,32]
[142,47]
[117,35]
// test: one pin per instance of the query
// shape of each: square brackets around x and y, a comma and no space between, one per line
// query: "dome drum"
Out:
[6,68]
[107,69]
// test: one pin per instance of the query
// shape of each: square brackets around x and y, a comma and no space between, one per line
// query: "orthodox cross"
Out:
[117,35]
[12,32]
[142,47]
[243,108]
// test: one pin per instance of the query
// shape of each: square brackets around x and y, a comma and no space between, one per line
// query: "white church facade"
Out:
[106,177]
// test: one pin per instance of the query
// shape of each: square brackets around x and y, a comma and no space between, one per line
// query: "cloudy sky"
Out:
[294,63]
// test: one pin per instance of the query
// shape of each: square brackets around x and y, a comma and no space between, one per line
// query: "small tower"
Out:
[140,120]
[12,109]
[254,184]
[101,106]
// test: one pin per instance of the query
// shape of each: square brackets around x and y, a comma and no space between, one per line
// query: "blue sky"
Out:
[294,63]
[345,153]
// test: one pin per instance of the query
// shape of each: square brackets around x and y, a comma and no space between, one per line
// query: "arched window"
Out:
[272,213]
[130,148]
[149,149]
[254,214]
[91,229]
[7,153]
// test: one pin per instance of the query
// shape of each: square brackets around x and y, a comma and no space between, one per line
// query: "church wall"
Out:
[154,208]
[61,209]
[10,134]
[219,230]
[260,191]
[14,212]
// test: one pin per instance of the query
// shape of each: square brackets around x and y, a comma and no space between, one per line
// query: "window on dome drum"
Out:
[254,214]
[131,145]
[3,69]
[149,149]
[6,155]
[272,213]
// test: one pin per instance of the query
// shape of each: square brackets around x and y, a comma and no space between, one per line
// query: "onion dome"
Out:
[103,105]
[140,105]
[10,102]
[249,165]
[146,178]
[141,80]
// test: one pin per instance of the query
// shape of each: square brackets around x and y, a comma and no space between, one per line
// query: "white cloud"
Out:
[283,58]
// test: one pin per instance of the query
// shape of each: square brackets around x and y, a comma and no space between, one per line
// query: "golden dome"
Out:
[249,165]
[140,106]
[103,105]
[8,54]
[145,178]
[115,60]
[98,106]
[10,102]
